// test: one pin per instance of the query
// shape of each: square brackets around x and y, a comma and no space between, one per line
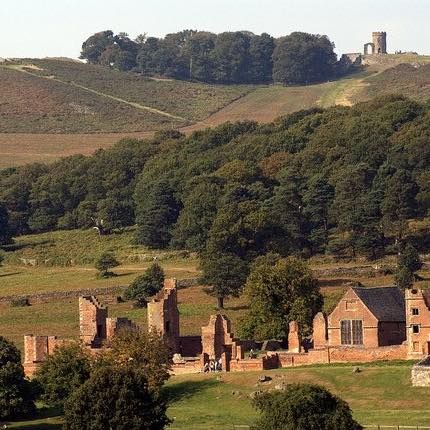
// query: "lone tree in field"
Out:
[279,290]
[105,262]
[63,372]
[225,274]
[146,285]
[16,393]
[303,58]
[303,407]
[115,398]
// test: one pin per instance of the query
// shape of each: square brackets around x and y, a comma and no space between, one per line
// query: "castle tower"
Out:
[379,39]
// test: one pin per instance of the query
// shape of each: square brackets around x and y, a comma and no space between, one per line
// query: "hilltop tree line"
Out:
[344,180]
[232,57]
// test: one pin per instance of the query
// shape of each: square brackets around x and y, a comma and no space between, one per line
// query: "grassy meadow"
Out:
[381,394]
[65,262]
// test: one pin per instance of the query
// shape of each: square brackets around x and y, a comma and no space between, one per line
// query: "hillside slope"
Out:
[51,108]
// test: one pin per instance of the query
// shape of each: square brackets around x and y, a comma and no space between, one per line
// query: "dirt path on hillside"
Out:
[346,97]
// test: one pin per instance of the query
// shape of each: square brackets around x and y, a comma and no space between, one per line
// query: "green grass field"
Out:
[379,395]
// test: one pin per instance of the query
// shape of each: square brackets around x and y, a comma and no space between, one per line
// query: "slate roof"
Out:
[385,303]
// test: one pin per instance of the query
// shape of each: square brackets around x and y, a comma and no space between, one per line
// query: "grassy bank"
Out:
[380,394]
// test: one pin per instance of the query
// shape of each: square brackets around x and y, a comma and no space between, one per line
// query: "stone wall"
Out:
[163,314]
[418,323]
[420,374]
[319,332]
[92,321]
[113,325]
[37,349]
[343,355]
[216,336]
[190,346]
[110,293]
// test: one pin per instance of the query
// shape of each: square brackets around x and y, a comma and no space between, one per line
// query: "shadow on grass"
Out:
[236,308]
[18,246]
[186,389]
[118,275]
[334,282]
[39,421]
[38,426]
[10,274]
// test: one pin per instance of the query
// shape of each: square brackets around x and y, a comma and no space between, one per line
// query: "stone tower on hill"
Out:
[378,44]
[379,39]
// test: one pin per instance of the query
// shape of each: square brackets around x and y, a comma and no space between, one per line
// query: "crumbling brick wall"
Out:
[37,349]
[216,336]
[114,325]
[163,314]
[92,321]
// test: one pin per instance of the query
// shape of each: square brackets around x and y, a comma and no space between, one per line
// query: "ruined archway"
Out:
[366,48]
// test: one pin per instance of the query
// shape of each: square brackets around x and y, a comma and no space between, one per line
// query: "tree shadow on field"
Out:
[43,413]
[186,389]
[44,426]
[340,282]
[237,308]
[4,275]
[18,246]
[118,275]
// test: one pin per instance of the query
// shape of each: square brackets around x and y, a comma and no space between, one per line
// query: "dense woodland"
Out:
[341,180]
[232,57]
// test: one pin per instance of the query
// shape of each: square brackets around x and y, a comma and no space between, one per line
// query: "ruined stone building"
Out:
[367,324]
[418,322]
[378,44]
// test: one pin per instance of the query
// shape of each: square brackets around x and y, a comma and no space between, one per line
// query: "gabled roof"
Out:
[385,303]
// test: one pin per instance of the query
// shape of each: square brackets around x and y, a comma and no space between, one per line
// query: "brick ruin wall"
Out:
[37,349]
[163,314]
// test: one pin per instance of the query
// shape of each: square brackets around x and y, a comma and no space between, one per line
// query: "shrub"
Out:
[144,351]
[303,407]
[146,285]
[16,393]
[63,372]
[105,262]
[20,302]
[115,398]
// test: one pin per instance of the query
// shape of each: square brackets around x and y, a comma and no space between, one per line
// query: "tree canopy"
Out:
[229,57]
[146,285]
[303,58]
[17,394]
[343,180]
[65,370]
[279,291]
[115,398]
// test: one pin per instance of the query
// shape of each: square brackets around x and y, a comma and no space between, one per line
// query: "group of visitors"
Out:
[213,366]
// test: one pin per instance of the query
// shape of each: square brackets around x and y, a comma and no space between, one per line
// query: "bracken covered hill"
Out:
[55,107]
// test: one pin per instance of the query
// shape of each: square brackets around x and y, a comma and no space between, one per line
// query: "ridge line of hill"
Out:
[73,84]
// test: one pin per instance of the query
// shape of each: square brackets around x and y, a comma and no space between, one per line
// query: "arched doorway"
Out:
[366,48]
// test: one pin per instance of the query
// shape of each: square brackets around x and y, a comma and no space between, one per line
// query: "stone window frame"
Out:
[347,329]
[416,328]
[415,311]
